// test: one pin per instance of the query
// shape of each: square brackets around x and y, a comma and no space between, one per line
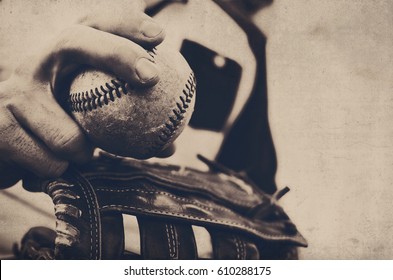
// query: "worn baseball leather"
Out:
[131,121]
[167,200]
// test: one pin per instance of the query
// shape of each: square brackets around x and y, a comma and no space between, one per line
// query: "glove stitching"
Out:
[176,241]
[237,247]
[92,218]
[192,202]
[168,240]
[171,196]
[242,248]
[237,200]
[172,240]
[251,229]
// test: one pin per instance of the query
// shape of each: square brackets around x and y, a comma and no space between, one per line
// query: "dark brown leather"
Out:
[167,200]
[231,246]
[164,240]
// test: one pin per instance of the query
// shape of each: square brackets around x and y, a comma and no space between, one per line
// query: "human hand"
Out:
[36,135]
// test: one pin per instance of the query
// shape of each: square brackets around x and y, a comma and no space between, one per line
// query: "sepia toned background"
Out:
[330,86]
[330,79]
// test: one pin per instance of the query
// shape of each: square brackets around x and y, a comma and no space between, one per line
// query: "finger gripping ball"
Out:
[130,121]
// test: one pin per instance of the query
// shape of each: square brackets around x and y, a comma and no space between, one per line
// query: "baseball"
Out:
[135,122]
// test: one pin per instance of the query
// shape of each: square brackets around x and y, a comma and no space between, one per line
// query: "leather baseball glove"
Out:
[243,221]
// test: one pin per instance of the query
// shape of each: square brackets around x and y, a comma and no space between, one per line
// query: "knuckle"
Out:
[9,135]
[11,93]
[85,20]
[7,126]
[15,101]
[65,42]
[71,140]
[122,51]
[127,55]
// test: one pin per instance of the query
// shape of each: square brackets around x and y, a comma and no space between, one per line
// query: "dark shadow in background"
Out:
[248,147]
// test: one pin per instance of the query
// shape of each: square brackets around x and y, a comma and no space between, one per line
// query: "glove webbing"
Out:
[89,222]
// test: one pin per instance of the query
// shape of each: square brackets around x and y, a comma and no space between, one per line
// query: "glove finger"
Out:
[162,240]
[232,247]
[78,222]
[112,235]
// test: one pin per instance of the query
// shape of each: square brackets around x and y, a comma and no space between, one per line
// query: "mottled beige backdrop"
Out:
[330,81]
[330,77]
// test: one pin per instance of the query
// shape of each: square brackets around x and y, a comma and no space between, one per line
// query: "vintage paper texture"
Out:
[330,85]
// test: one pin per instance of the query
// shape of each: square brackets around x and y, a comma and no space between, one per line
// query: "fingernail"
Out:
[150,29]
[146,70]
